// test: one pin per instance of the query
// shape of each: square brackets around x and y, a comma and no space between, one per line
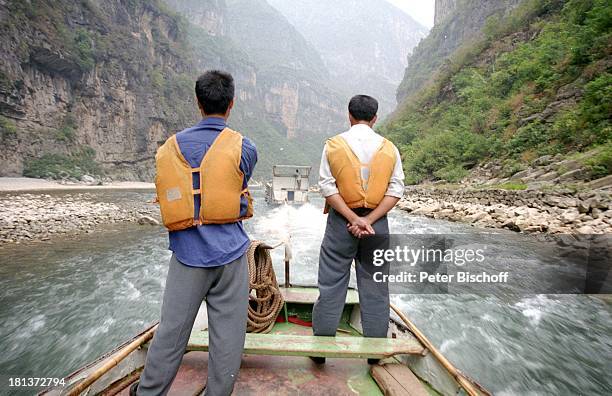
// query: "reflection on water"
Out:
[64,303]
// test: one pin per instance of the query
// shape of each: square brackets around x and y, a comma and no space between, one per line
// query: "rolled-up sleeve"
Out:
[327,182]
[396,184]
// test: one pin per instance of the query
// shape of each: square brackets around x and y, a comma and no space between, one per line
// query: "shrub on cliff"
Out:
[600,164]
[59,166]
[8,129]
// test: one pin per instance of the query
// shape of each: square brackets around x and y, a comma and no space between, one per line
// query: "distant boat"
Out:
[289,185]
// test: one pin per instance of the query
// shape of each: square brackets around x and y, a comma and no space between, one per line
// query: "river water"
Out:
[65,302]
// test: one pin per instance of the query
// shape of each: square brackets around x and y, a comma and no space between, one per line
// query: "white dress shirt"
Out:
[364,143]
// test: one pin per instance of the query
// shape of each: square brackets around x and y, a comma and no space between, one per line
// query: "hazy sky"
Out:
[421,10]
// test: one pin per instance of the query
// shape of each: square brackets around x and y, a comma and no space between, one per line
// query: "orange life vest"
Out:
[221,183]
[347,170]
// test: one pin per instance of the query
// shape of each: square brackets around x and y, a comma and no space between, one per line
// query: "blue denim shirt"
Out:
[211,245]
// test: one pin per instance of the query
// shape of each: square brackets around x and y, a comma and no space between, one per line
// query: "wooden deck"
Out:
[308,295]
[288,370]
[280,376]
[398,380]
[332,347]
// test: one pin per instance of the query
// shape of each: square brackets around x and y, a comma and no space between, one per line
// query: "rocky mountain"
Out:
[93,87]
[286,74]
[88,86]
[522,103]
[455,23]
[364,43]
[443,8]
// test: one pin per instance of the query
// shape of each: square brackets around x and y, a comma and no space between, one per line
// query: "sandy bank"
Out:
[16,184]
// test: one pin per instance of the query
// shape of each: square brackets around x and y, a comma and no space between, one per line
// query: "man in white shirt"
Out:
[361,178]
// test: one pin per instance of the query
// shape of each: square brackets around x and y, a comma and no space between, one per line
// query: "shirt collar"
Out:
[361,128]
[212,121]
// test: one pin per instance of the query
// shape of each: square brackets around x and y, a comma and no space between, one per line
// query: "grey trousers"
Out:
[338,250]
[225,289]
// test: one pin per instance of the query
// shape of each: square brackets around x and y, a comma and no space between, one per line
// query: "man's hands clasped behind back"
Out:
[360,227]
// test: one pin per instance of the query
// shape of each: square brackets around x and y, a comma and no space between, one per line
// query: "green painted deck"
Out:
[332,347]
[308,295]
[344,330]
[288,339]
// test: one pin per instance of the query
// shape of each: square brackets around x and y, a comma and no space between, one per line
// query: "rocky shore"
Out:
[39,216]
[528,211]
[14,184]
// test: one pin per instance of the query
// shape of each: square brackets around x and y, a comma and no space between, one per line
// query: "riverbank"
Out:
[528,211]
[15,184]
[41,216]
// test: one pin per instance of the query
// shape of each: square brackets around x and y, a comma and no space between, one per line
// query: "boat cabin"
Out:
[289,185]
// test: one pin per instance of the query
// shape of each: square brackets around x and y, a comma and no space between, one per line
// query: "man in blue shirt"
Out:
[208,262]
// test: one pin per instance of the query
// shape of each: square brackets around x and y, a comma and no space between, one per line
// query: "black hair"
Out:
[215,91]
[363,107]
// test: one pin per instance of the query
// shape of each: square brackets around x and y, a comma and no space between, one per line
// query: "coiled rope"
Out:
[267,301]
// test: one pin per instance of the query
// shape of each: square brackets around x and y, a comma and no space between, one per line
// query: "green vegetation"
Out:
[509,186]
[29,9]
[599,163]
[82,48]
[8,130]
[67,132]
[5,82]
[477,109]
[273,147]
[157,79]
[58,166]
[79,44]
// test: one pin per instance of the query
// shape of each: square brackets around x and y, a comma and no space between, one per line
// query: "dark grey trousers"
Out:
[338,250]
[226,290]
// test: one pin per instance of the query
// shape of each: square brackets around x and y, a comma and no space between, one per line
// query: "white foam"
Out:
[287,220]
[132,293]
[33,325]
[535,308]
[102,329]
[447,345]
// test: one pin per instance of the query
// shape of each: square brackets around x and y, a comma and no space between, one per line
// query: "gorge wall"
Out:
[84,85]
[520,89]
[94,87]
[363,43]
[444,8]
[276,77]
[456,23]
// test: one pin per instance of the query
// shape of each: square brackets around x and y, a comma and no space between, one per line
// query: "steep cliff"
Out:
[93,87]
[363,43]
[529,98]
[286,80]
[444,8]
[88,86]
[456,22]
